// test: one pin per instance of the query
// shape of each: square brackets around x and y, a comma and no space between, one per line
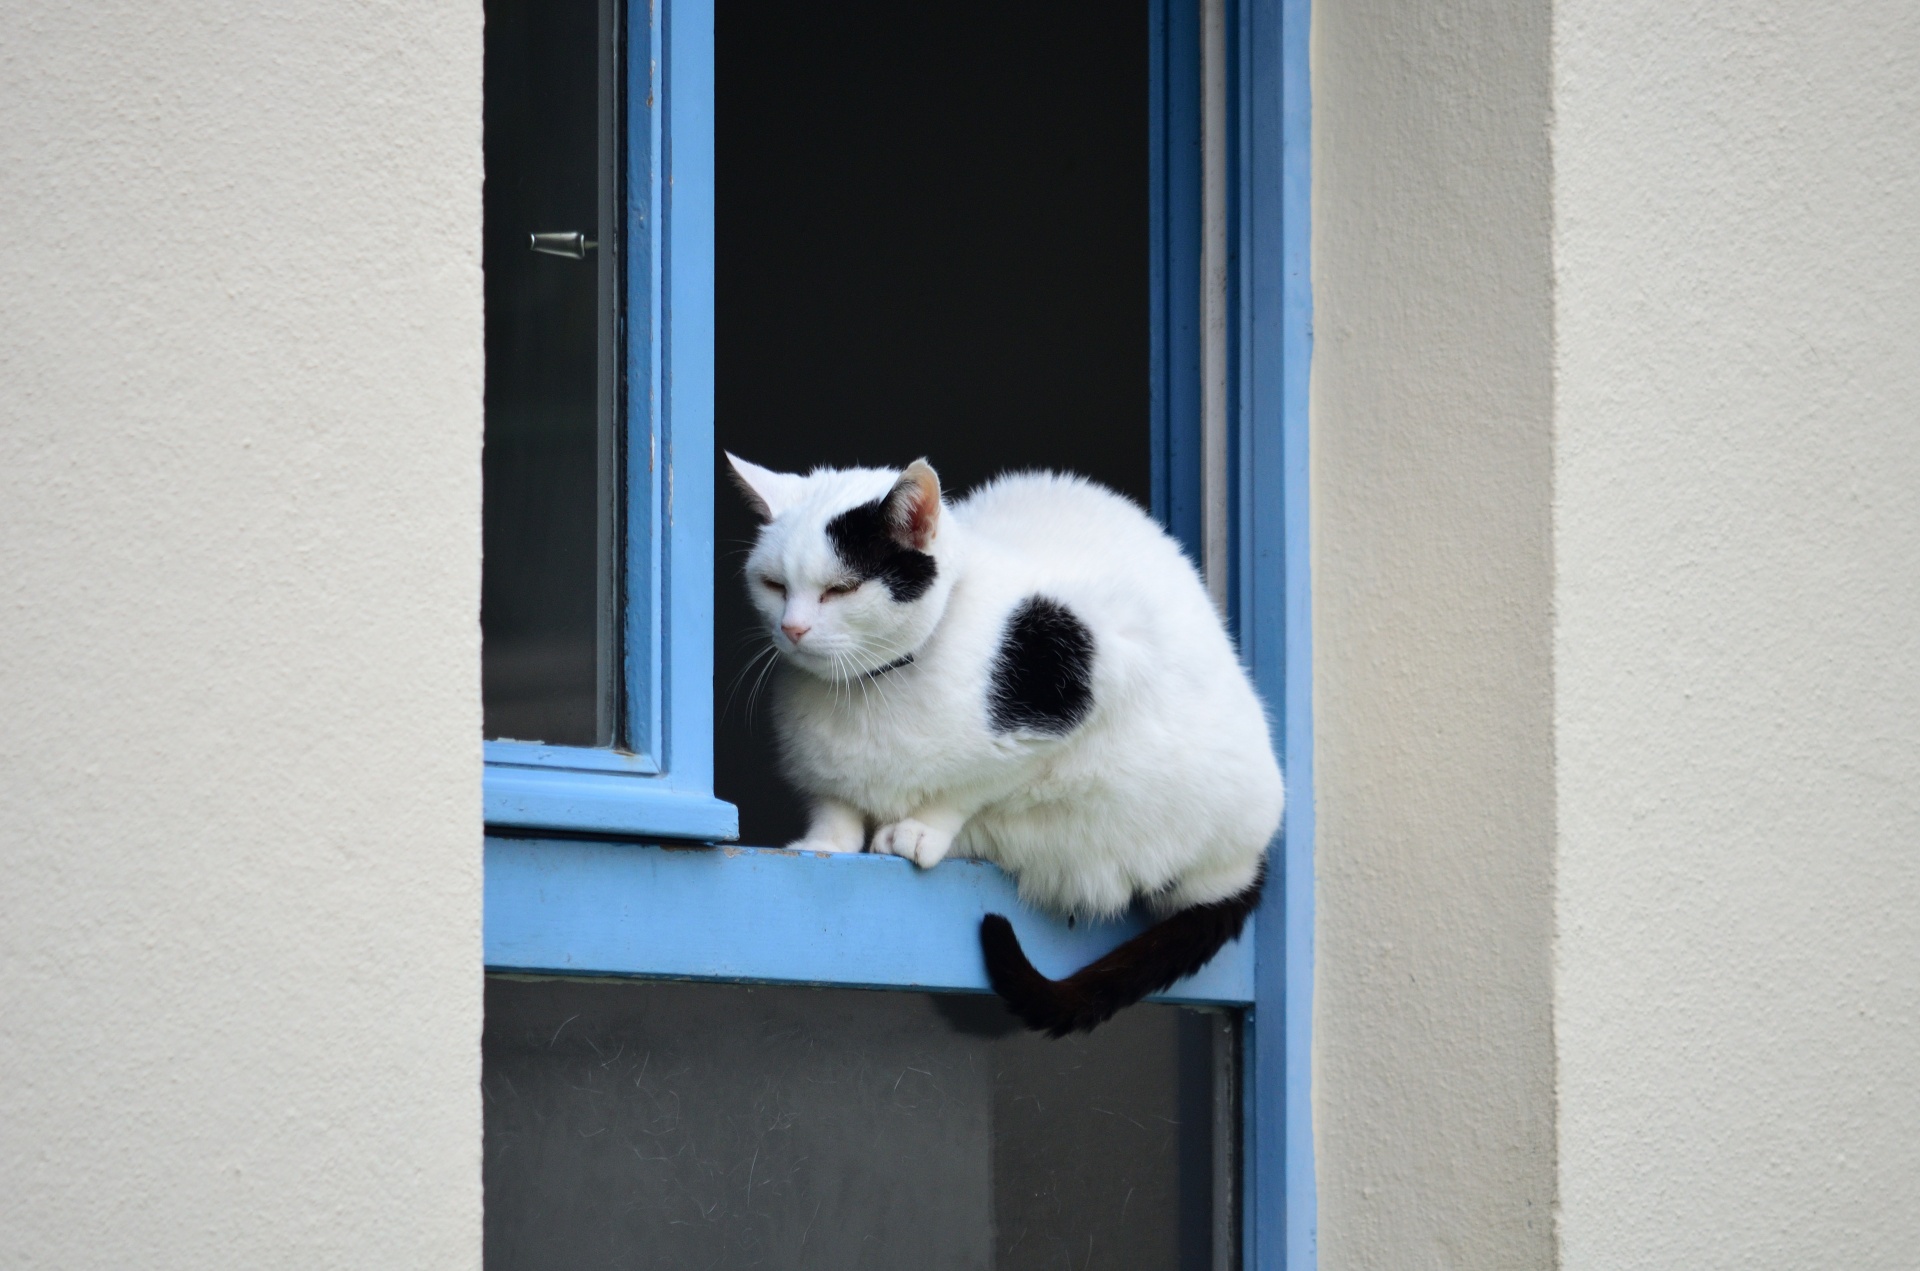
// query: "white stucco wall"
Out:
[240,418]
[1431,430]
[1616,429]
[1737,526]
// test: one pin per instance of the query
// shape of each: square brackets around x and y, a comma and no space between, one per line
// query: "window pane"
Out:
[696,1125]
[550,584]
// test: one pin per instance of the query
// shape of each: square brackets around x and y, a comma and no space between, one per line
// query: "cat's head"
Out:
[853,566]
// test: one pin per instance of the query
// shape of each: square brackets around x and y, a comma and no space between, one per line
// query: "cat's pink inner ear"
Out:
[914,506]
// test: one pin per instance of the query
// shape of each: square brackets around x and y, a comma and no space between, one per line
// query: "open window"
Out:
[862,234]
[596,590]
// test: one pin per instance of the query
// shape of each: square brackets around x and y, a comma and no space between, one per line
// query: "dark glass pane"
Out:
[932,240]
[722,1126]
[549,596]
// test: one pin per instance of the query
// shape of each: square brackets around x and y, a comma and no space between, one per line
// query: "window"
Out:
[604,361]
[550,612]
[596,594]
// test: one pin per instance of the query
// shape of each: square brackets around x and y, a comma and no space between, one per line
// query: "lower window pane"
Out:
[634,1124]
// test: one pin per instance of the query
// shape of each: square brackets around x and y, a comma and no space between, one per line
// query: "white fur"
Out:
[1168,790]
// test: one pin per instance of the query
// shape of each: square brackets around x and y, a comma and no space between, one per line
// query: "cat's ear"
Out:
[913,508]
[767,492]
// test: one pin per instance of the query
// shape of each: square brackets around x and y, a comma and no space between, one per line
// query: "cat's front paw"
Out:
[919,842]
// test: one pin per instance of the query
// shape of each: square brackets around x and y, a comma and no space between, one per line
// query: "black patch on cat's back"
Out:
[1043,674]
[863,539]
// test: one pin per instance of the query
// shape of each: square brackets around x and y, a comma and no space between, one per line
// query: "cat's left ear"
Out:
[767,492]
[913,508]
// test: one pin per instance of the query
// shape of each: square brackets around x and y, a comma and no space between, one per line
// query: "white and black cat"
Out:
[1034,676]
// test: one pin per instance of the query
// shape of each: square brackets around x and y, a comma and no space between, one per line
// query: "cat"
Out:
[1033,675]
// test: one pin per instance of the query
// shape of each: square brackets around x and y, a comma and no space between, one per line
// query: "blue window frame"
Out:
[625,904]
[659,782]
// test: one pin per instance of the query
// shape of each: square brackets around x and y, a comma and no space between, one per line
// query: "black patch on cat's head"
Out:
[1043,674]
[865,540]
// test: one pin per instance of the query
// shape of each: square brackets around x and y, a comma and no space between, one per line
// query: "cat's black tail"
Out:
[1176,946]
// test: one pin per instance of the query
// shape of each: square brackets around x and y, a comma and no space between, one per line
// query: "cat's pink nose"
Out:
[795,630]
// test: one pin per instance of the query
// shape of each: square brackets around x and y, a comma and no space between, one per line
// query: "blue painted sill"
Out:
[779,917]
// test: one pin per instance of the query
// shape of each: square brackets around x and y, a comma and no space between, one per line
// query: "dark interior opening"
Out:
[932,240]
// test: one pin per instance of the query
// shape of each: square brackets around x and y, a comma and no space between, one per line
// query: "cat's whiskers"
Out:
[767,668]
[832,677]
[864,679]
[878,686]
[845,675]
[848,673]
[748,667]
[878,692]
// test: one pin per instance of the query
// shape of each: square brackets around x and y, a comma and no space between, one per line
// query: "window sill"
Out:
[774,916]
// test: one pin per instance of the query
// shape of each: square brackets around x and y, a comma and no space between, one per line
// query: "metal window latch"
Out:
[573,244]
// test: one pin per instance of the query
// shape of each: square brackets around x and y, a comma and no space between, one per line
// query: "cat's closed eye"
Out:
[840,589]
[773,586]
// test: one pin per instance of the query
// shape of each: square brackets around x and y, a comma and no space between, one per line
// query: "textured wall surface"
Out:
[1738,650]
[240,418]
[1431,407]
